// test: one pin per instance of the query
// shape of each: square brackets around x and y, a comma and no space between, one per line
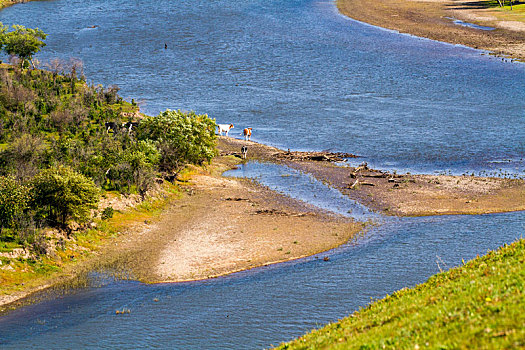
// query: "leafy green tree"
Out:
[181,137]
[62,194]
[14,200]
[23,42]
[3,30]
[142,158]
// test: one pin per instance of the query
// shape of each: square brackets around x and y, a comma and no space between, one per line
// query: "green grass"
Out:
[505,13]
[478,306]
[6,247]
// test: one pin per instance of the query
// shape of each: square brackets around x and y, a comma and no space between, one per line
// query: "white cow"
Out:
[224,128]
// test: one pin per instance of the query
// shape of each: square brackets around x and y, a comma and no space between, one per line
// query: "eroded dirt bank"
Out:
[434,19]
[393,194]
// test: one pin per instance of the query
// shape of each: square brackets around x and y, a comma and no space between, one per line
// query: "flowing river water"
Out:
[305,78]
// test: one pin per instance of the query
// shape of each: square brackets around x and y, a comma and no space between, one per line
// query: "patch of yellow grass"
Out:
[147,210]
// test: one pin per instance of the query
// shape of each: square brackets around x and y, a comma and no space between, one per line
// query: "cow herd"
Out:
[225,128]
[246,133]
[115,127]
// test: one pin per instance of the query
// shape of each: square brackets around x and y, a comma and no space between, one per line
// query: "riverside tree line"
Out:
[57,157]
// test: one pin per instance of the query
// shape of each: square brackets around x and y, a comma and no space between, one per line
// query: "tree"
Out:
[62,194]
[23,42]
[3,30]
[181,137]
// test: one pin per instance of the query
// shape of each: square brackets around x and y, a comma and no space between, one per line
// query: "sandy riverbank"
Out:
[219,226]
[402,195]
[223,225]
[6,3]
[433,19]
[228,225]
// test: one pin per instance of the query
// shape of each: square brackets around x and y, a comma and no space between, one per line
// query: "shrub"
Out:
[181,137]
[62,194]
[23,156]
[142,157]
[14,200]
[107,213]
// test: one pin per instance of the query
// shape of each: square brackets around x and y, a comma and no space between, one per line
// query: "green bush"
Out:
[107,213]
[61,194]
[14,200]
[181,138]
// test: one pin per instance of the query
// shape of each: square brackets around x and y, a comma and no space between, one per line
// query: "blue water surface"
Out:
[302,75]
[264,306]
[305,78]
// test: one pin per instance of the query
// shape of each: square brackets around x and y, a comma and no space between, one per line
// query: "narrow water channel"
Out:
[304,187]
[268,305]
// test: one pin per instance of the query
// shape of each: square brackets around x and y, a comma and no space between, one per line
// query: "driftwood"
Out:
[315,156]
[279,212]
[376,175]
[398,180]
[363,166]
[354,185]
[236,199]
[360,183]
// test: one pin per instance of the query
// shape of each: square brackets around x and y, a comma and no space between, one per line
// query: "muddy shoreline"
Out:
[396,194]
[434,19]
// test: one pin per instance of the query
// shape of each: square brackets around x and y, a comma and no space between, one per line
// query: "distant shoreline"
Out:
[6,3]
[434,19]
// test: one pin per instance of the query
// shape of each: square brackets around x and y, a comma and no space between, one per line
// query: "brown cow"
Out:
[247,133]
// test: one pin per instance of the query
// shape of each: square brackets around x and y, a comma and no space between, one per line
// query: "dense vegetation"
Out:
[479,305]
[64,142]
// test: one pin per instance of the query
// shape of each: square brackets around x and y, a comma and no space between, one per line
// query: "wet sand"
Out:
[226,225]
[395,194]
[219,226]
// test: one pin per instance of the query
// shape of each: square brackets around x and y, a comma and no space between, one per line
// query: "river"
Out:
[302,75]
[305,78]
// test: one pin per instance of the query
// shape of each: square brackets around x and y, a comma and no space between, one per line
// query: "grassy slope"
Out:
[505,13]
[479,305]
